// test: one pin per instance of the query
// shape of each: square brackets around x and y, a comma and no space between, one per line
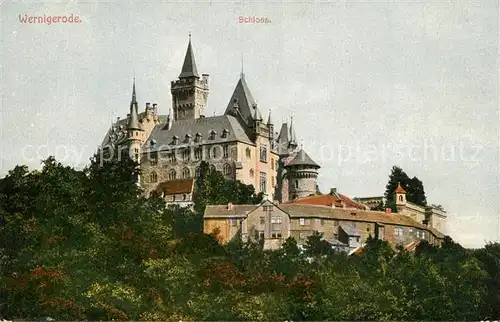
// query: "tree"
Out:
[213,189]
[414,188]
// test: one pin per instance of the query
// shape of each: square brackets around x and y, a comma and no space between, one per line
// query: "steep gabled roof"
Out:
[243,97]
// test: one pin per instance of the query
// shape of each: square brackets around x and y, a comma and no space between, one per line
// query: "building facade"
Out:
[239,143]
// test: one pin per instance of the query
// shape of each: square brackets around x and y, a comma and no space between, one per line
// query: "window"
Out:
[263,153]
[248,153]
[154,159]
[172,175]
[259,234]
[175,140]
[197,154]
[212,135]
[185,155]
[226,169]
[399,231]
[198,172]
[276,234]
[188,138]
[225,151]
[276,165]
[322,222]
[267,208]
[368,229]
[225,133]
[262,220]
[272,164]
[234,222]
[410,231]
[153,177]
[401,198]
[184,197]
[186,173]
[251,173]
[276,220]
[302,221]
[353,225]
[296,184]
[302,235]
[197,137]
[171,157]
[263,182]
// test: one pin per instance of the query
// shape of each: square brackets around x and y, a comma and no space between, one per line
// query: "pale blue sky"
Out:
[413,84]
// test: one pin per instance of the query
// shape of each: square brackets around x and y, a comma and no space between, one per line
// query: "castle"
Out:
[243,146]
[239,143]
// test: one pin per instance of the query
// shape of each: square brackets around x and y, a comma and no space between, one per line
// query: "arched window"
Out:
[251,173]
[153,177]
[184,197]
[172,175]
[186,173]
[227,169]
[248,153]
[296,184]
[198,172]
[212,168]
[401,198]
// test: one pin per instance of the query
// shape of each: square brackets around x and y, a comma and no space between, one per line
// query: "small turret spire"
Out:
[133,122]
[134,99]
[189,66]
[292,131]
[269,121]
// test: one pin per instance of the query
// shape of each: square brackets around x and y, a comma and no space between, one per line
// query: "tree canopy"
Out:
[86,245]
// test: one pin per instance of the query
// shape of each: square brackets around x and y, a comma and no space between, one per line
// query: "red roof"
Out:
[176,186]
[337,200]
[400,189]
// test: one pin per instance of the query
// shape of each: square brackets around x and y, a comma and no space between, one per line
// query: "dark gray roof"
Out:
[243,97]
[133,121]
[283,136]
[189,66]
[204,125]
[302,159]
[349,230]
[120,132]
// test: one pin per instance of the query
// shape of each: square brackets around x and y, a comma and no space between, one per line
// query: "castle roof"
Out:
[400,189]
[176,186]
[302,159]
[189,66]
[243,97]
[331,200]
[203,126]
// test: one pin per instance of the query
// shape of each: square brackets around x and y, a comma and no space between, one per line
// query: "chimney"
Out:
[118,119]
[155,105]
[128,115]
[147,105]
[333,191]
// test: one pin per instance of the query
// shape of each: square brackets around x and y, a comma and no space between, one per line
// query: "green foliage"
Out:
[85,245]
[413,186]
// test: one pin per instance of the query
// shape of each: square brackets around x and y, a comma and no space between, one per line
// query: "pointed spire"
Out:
[242,75]
[292,131]
[400,189]
[269,121]
[189,66]
[133,122]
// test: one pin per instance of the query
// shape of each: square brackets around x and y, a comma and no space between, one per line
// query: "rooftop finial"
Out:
[133,92]
[190,36]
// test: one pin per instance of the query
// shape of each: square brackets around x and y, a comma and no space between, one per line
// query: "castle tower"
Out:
[400,197]
[189,92]
[302,176]
[270,126]
[134,130]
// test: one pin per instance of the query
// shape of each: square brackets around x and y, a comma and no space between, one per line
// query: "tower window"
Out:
[227,169]
[401,198]
[263,153]
[251,173]
[263,182]
[296,184]
[172,175]
[186,173]
[248,153]
[153,177]
[225,150]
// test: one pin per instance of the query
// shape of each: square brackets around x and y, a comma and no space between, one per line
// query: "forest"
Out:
[86,245]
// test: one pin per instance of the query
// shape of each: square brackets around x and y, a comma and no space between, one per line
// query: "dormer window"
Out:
[212,135]
[188,138]
[197,137]
[225,133]
[175,140]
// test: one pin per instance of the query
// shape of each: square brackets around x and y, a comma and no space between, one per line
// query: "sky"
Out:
[370,85]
